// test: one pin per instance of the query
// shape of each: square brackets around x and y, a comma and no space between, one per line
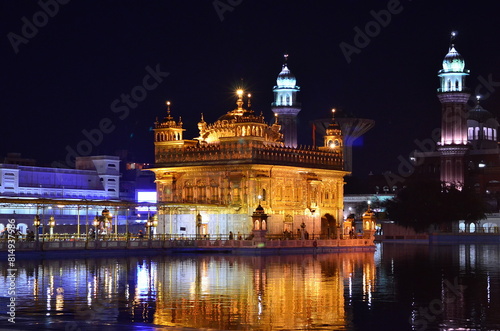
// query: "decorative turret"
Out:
[168,129]
[369,221]
[285,104]
[202,125]
[168,134]
[259,220]
[333,136]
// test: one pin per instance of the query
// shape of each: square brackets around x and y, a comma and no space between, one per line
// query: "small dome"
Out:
[259,210]
[333,127]
[479,114]
[233,115]
[286,78]
[369,213]
[453,61]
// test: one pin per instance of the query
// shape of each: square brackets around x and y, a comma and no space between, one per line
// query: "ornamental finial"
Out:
[452,38]
[239,102]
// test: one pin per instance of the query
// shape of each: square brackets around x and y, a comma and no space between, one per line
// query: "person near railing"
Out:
[30,236]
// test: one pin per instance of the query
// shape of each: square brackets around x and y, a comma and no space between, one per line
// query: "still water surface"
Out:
[397,287]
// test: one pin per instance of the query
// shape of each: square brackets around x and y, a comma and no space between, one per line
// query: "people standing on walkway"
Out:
[231,235]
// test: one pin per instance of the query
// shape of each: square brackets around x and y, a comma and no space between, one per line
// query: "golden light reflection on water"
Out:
[221,292]
[398,287]
[283,292]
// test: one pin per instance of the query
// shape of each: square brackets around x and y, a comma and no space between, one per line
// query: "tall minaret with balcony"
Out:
[453,96]
[285,105]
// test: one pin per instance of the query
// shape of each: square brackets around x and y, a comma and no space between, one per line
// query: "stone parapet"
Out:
[249,154]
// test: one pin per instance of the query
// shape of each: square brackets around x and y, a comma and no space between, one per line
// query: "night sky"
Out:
[70,74]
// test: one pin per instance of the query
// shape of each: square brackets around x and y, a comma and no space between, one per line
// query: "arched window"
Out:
[470,133]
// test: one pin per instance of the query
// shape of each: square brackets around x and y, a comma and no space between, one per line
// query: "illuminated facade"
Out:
[95,178]
[239,161]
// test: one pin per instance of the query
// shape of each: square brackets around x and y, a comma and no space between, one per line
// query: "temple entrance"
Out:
[328,227]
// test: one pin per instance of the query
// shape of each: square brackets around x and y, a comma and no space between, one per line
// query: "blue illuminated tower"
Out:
[453,96]
[285,105]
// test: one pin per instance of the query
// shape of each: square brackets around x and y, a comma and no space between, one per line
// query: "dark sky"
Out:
[66,76]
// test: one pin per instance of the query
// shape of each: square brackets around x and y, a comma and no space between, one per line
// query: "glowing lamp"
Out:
[36,221]
[52,221]
[96,221]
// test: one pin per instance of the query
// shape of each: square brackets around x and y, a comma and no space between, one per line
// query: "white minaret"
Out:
[453,96]
[285,105]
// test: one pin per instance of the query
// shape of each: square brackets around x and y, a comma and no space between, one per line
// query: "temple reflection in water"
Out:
[219,292]
[399,287]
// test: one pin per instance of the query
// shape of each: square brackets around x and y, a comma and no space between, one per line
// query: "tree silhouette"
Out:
[424,204]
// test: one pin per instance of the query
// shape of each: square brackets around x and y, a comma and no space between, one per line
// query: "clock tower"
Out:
[453,96]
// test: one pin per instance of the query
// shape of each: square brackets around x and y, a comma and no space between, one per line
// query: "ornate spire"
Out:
[334,128]
[168,121]
[452,39]
[168,117]
[239,102]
